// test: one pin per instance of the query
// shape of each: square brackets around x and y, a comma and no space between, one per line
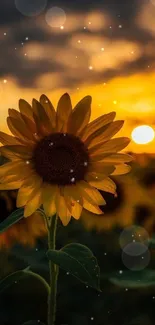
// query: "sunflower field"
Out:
[72,207]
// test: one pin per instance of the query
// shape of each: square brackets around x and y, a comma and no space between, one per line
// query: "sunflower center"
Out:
[61,159]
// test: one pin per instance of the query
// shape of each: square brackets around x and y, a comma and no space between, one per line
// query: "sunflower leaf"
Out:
[130,279]
[13,218]
[79,261]
[33,322]
[20,275]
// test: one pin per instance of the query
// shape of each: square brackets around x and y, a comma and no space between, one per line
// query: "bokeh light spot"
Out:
[30,8]
[55,17]
[136,263]
[135,249]
[133,234]
[143,134]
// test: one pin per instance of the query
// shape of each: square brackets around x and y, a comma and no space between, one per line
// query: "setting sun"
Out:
[143,134]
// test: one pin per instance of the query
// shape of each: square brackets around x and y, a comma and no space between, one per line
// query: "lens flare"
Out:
[143,134]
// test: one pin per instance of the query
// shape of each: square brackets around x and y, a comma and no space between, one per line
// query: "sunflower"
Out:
[26,231]
[131,206]
[59,159]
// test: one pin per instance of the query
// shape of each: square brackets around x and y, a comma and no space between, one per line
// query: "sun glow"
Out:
[143,134]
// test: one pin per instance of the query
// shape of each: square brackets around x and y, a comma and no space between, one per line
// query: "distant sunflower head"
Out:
[131,206]
[26,231]
[59,159]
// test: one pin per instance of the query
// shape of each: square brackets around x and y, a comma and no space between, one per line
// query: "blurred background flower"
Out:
[131,205]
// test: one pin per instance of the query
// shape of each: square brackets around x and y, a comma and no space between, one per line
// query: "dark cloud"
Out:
[13,63]
[126,9]
[9,13]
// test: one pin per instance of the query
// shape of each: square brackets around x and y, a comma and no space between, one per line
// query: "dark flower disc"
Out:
[61,159]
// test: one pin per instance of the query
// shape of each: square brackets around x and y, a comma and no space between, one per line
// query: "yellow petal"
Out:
[101,167]
[29,123]
[62,210]
[21,174]
[7,139]
[90,194]
[64,110]
[41,118]
[73,192]
[33,179]
[11,186]
[111,146]
[92,208]
[33,204]
[97,124]
[108,133]
[96,176]
[23,118]
[8,154]
[112,129]
[49,108]
[121,169]
[117,158]
[26,192]
[49,196]
[26,109]
[80,116]
[106,185]
[14,113]
[76,210]
[68,200]
[11,168]
[93,138]
[19,129]
[17,150]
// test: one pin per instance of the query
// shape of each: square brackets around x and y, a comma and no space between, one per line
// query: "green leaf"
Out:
[20,275]
[138,279]
[79,261]
[13,218]
[33,322]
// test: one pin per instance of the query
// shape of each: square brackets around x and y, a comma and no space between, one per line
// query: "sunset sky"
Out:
[105,49]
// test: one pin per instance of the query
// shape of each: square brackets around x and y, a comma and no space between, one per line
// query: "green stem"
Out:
[53,270]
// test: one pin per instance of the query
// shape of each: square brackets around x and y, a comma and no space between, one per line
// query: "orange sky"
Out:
[132,98]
